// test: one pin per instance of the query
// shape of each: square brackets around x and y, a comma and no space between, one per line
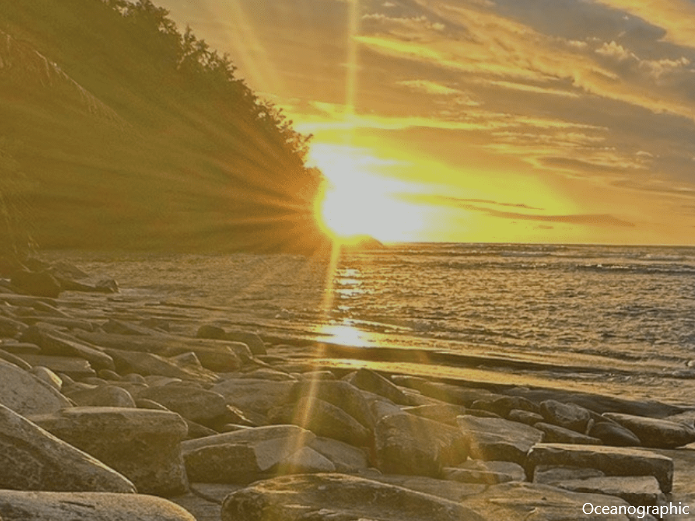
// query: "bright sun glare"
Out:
[357,202]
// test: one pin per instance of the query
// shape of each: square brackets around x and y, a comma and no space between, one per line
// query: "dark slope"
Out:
[117,131]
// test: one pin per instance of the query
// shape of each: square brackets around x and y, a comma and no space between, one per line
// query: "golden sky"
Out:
[482,120]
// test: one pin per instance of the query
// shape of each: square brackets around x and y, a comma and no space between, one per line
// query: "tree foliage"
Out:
[193,60]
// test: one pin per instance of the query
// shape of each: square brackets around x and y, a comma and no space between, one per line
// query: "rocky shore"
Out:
[109,414]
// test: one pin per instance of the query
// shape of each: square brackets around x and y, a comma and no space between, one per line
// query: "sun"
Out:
[351,210]
[356,202]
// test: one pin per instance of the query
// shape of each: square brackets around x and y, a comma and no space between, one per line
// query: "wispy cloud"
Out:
[600,220]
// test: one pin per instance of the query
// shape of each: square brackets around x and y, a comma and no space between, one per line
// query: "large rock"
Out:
[528,501]
[74,367]
[323,419]
[599,403]
[33,459]
[78,506]
[26,394]
[555,434]
[55,343]
[341,394]
[487,472]
[498,439]
[150,364]
[337,497]
[346,458]
[252,340]
[246,455]
[101,396]
[444,413]
[566,415]
[214,355]
[194,404]
[636,490]
[368,380]
[611,433]
[255,395]
[143,445]
[446,392]
[613,461]
[503,405]
[408,444]
[652,432]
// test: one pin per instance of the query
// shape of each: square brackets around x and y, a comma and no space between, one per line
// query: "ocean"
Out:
[613,319]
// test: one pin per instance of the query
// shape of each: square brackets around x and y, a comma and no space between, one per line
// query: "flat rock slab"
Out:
[613,461]
[143,445]
[498,439]
[101,396]
[341,394]
[33,459]
[528,501]
[486,472]
[368,380]
[656,433]
[555,434]
[409,444]
[25,394]
[55,343]
[445,392]
[74,506]
[72,366]
[636,490]
[445,489]
[346,458]
[194,404]
[247,455]
[337,497]
[323,419]
[255,395]
[213,354]
[567,415]
[152,364]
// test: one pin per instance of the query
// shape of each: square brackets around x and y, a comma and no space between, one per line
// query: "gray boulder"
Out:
[526,501]
[341,394]
[368,380]
[33,459]
[198,405]
[613,461]
[101,396]
[25,394]
[498,439]
[79,506]
[555,434]
[245,455]
[611,433]
[656,433]
[636,490]
[323,419]
[143,445]
[254,394]
[408,444]
[346,458]
[337,497]
[566,415]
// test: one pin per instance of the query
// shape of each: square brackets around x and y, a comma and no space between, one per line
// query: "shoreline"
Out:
[208,401]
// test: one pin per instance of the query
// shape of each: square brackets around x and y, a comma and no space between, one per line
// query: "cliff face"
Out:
[127,133]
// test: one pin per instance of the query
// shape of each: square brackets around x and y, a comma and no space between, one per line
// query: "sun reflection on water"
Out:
[345,334]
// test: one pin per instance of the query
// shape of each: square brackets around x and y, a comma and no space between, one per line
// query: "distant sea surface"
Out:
[613,319]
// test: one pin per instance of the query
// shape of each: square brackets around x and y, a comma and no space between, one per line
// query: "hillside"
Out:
[119,130]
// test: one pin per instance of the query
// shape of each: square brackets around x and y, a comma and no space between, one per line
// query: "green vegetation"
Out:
[138,136]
